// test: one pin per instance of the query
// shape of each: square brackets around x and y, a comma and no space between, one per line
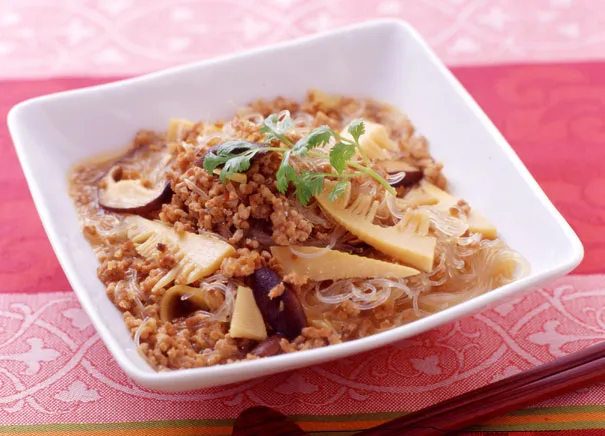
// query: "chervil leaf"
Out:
[212,161]
[269,127]
[308,185]
[236,147]
[338,191]
[286,123]
[356,129]
[317,138]
[274,127]
[237,164]
[235,156]
[314,182]
[340,154]
[285,174]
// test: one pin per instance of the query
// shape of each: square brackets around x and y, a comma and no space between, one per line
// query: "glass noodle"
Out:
[466,265]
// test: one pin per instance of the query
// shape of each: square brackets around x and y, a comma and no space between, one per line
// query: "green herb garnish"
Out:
[236,157]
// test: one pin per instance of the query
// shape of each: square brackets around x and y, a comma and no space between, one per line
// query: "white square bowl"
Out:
[386,60]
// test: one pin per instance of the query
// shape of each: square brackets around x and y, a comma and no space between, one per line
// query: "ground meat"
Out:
[289,226]
[277,291]
[243,264]
[323,119]
[145,138]
[464,207]
[295,279]
[251,216]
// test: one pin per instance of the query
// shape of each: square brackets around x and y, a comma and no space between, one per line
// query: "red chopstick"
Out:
[540,383]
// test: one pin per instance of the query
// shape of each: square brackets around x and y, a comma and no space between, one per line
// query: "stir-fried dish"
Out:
[289,227]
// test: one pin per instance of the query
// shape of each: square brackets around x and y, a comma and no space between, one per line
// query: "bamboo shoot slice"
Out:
[406,246]
[336,265]
[247,321]
[179,298]
[197,256]
[177,128]
[443,201]
[375,142]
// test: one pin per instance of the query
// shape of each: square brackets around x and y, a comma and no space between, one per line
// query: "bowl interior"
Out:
[386,61]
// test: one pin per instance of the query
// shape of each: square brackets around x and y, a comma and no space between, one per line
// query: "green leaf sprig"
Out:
[236,157]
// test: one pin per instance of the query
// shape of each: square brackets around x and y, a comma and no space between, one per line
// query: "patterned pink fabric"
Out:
[54,368]
[101,37]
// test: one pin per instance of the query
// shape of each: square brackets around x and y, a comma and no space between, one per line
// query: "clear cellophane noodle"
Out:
[461,272]
[466,265]
[224,285]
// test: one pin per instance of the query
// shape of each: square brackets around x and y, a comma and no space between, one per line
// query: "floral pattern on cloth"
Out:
[54,367]
[103,37]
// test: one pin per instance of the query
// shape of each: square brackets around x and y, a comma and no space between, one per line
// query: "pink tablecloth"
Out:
[53,368]
[39,38]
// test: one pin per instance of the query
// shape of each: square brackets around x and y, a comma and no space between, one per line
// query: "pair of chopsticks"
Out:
[540,383]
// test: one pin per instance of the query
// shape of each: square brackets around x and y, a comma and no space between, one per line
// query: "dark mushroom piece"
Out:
[284,313]
[268,347]
[244,346]
[131,195]
[412,175]
[260,230]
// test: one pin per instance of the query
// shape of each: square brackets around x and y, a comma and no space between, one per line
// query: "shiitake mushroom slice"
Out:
[412,176]
[131,196]
[268,347]
[285,313]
